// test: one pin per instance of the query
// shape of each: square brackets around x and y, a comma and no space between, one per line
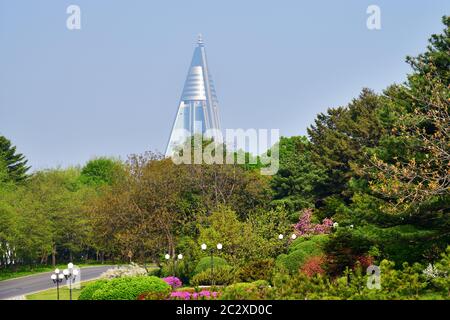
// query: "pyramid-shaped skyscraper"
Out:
[198,111]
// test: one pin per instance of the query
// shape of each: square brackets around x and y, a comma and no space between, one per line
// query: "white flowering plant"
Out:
[432,272]
[131,270]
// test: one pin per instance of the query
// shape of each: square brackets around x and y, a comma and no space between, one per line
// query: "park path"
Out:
[25,285]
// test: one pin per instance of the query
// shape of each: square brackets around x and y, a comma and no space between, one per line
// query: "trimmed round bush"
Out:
[130,288]
[89,290]
[296,258]
[223,275]
[205,264]
[320,240]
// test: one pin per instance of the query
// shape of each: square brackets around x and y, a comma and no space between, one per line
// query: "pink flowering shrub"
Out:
[305,227]
[185,295]
[174,282]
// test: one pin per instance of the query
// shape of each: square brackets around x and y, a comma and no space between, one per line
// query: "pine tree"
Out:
[16,163]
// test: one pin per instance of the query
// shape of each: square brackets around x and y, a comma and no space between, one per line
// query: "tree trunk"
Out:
[54,256]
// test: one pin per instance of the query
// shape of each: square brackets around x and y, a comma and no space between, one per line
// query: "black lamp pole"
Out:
[70,274]
[219,247]
[174,262]
[57,278]
[212,267]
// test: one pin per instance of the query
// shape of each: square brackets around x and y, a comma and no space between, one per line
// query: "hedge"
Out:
[127,288]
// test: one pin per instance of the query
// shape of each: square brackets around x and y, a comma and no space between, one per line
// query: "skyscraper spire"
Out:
[199,39]
[198,108]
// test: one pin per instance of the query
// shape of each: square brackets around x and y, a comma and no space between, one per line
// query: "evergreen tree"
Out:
[298,176]
[338,139]
[16,163]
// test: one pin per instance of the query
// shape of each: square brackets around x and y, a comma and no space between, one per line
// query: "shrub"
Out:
[313,266]
[343,250]
[186,295]
[294,260]
[320,240]
[205,264]
[256,270]
[257,290]
[405,283]
[88,291]
[129,288]
[442,282]
[131,270]
[223,275]
[154,272]
[181,269]
[174,282]
[365,261]
[305,227]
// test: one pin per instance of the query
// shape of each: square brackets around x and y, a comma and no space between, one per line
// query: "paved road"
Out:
[25,285]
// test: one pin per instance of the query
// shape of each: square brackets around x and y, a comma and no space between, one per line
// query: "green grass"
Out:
[64,294]
[22,271]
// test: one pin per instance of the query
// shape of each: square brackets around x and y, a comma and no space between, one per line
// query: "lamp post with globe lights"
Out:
[174,262]
[57,277]
[281,237]
[293,236]
[219,247]
[70,274]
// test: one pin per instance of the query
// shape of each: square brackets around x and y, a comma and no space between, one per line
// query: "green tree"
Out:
[16,163]
[338,139]
[408,170]
[298,177]
[101,171]
[52,216]
[435,60]
[241,243]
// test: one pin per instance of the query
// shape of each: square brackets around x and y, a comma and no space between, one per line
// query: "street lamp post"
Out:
[174,262]
[219,247]
[57,278]
[292,237]
[70,274]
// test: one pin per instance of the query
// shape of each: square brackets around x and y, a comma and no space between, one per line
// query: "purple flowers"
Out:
[185,295]
[174,282]
[305,227]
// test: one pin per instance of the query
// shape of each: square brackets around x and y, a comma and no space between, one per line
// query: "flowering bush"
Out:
[186,295]
[313,266]
[132,270]
[174,282]
[305,227]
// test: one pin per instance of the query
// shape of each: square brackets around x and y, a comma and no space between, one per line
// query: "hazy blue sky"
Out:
[112,88]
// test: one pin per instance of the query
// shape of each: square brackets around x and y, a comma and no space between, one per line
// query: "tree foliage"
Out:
[16,164]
